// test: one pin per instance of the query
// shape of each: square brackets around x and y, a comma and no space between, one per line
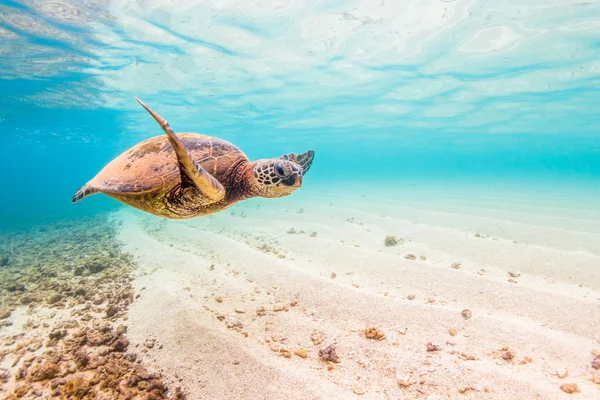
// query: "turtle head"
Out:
[278,177]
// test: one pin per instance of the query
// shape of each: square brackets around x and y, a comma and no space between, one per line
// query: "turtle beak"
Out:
[293,180]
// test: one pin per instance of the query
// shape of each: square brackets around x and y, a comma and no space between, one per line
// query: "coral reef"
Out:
[71,283]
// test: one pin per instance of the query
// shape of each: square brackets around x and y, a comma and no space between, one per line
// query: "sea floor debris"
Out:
[391,241]
[329,354]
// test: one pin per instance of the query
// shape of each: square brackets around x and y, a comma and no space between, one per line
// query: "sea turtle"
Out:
[187,175]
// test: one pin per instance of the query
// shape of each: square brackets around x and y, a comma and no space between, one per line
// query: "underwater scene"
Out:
[300,199]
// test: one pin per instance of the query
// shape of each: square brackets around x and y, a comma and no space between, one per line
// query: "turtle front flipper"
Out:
[192,173]
[304,160]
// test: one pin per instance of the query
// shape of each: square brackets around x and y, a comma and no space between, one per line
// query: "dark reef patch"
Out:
[64,293]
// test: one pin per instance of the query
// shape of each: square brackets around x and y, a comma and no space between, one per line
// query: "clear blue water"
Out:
[469,130]
[385,91]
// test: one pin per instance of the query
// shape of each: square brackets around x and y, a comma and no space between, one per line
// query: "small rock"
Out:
[374,333]
[240,310]
[468,355]
[55,298]
[274,348]
[81,358]
[432,347]
[261,312]
[411,297]
[570,388]
[329,354]
[410,257]
[302,353]
[43,371]
[121,345]
[57,334]
[508,355]
[316,337]
[452,332]
[358,390]
[466,314]
[390,241]
[562,373]
[330,365]
[95,266]
[149,343]
[286,353]
[111,311]
[513,274]
[456,265]
[219,299]
[4,313]
[235,325]
[405,381]
[26,299]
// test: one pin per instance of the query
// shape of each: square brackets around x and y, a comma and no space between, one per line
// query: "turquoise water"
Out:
[457,175]
[386,92]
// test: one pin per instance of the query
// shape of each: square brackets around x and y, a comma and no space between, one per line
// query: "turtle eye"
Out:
[279,170]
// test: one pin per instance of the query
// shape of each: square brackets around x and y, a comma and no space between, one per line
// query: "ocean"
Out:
[444,244]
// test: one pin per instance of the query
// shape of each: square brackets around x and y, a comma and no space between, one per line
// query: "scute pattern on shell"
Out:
[152,165]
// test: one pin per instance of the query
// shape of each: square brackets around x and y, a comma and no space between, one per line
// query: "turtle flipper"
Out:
[85,191]
[304,160]
[192,173]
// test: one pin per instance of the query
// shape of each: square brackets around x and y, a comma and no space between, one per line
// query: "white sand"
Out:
[550,315]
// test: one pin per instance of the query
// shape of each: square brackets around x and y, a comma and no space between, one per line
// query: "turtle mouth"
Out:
[293,180]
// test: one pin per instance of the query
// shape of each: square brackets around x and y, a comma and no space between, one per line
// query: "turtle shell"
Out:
[152,164]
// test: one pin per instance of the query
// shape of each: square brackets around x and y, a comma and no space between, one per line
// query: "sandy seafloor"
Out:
[224,299]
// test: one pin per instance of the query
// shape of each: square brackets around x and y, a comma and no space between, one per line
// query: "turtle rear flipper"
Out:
[85,191]
[192,173]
